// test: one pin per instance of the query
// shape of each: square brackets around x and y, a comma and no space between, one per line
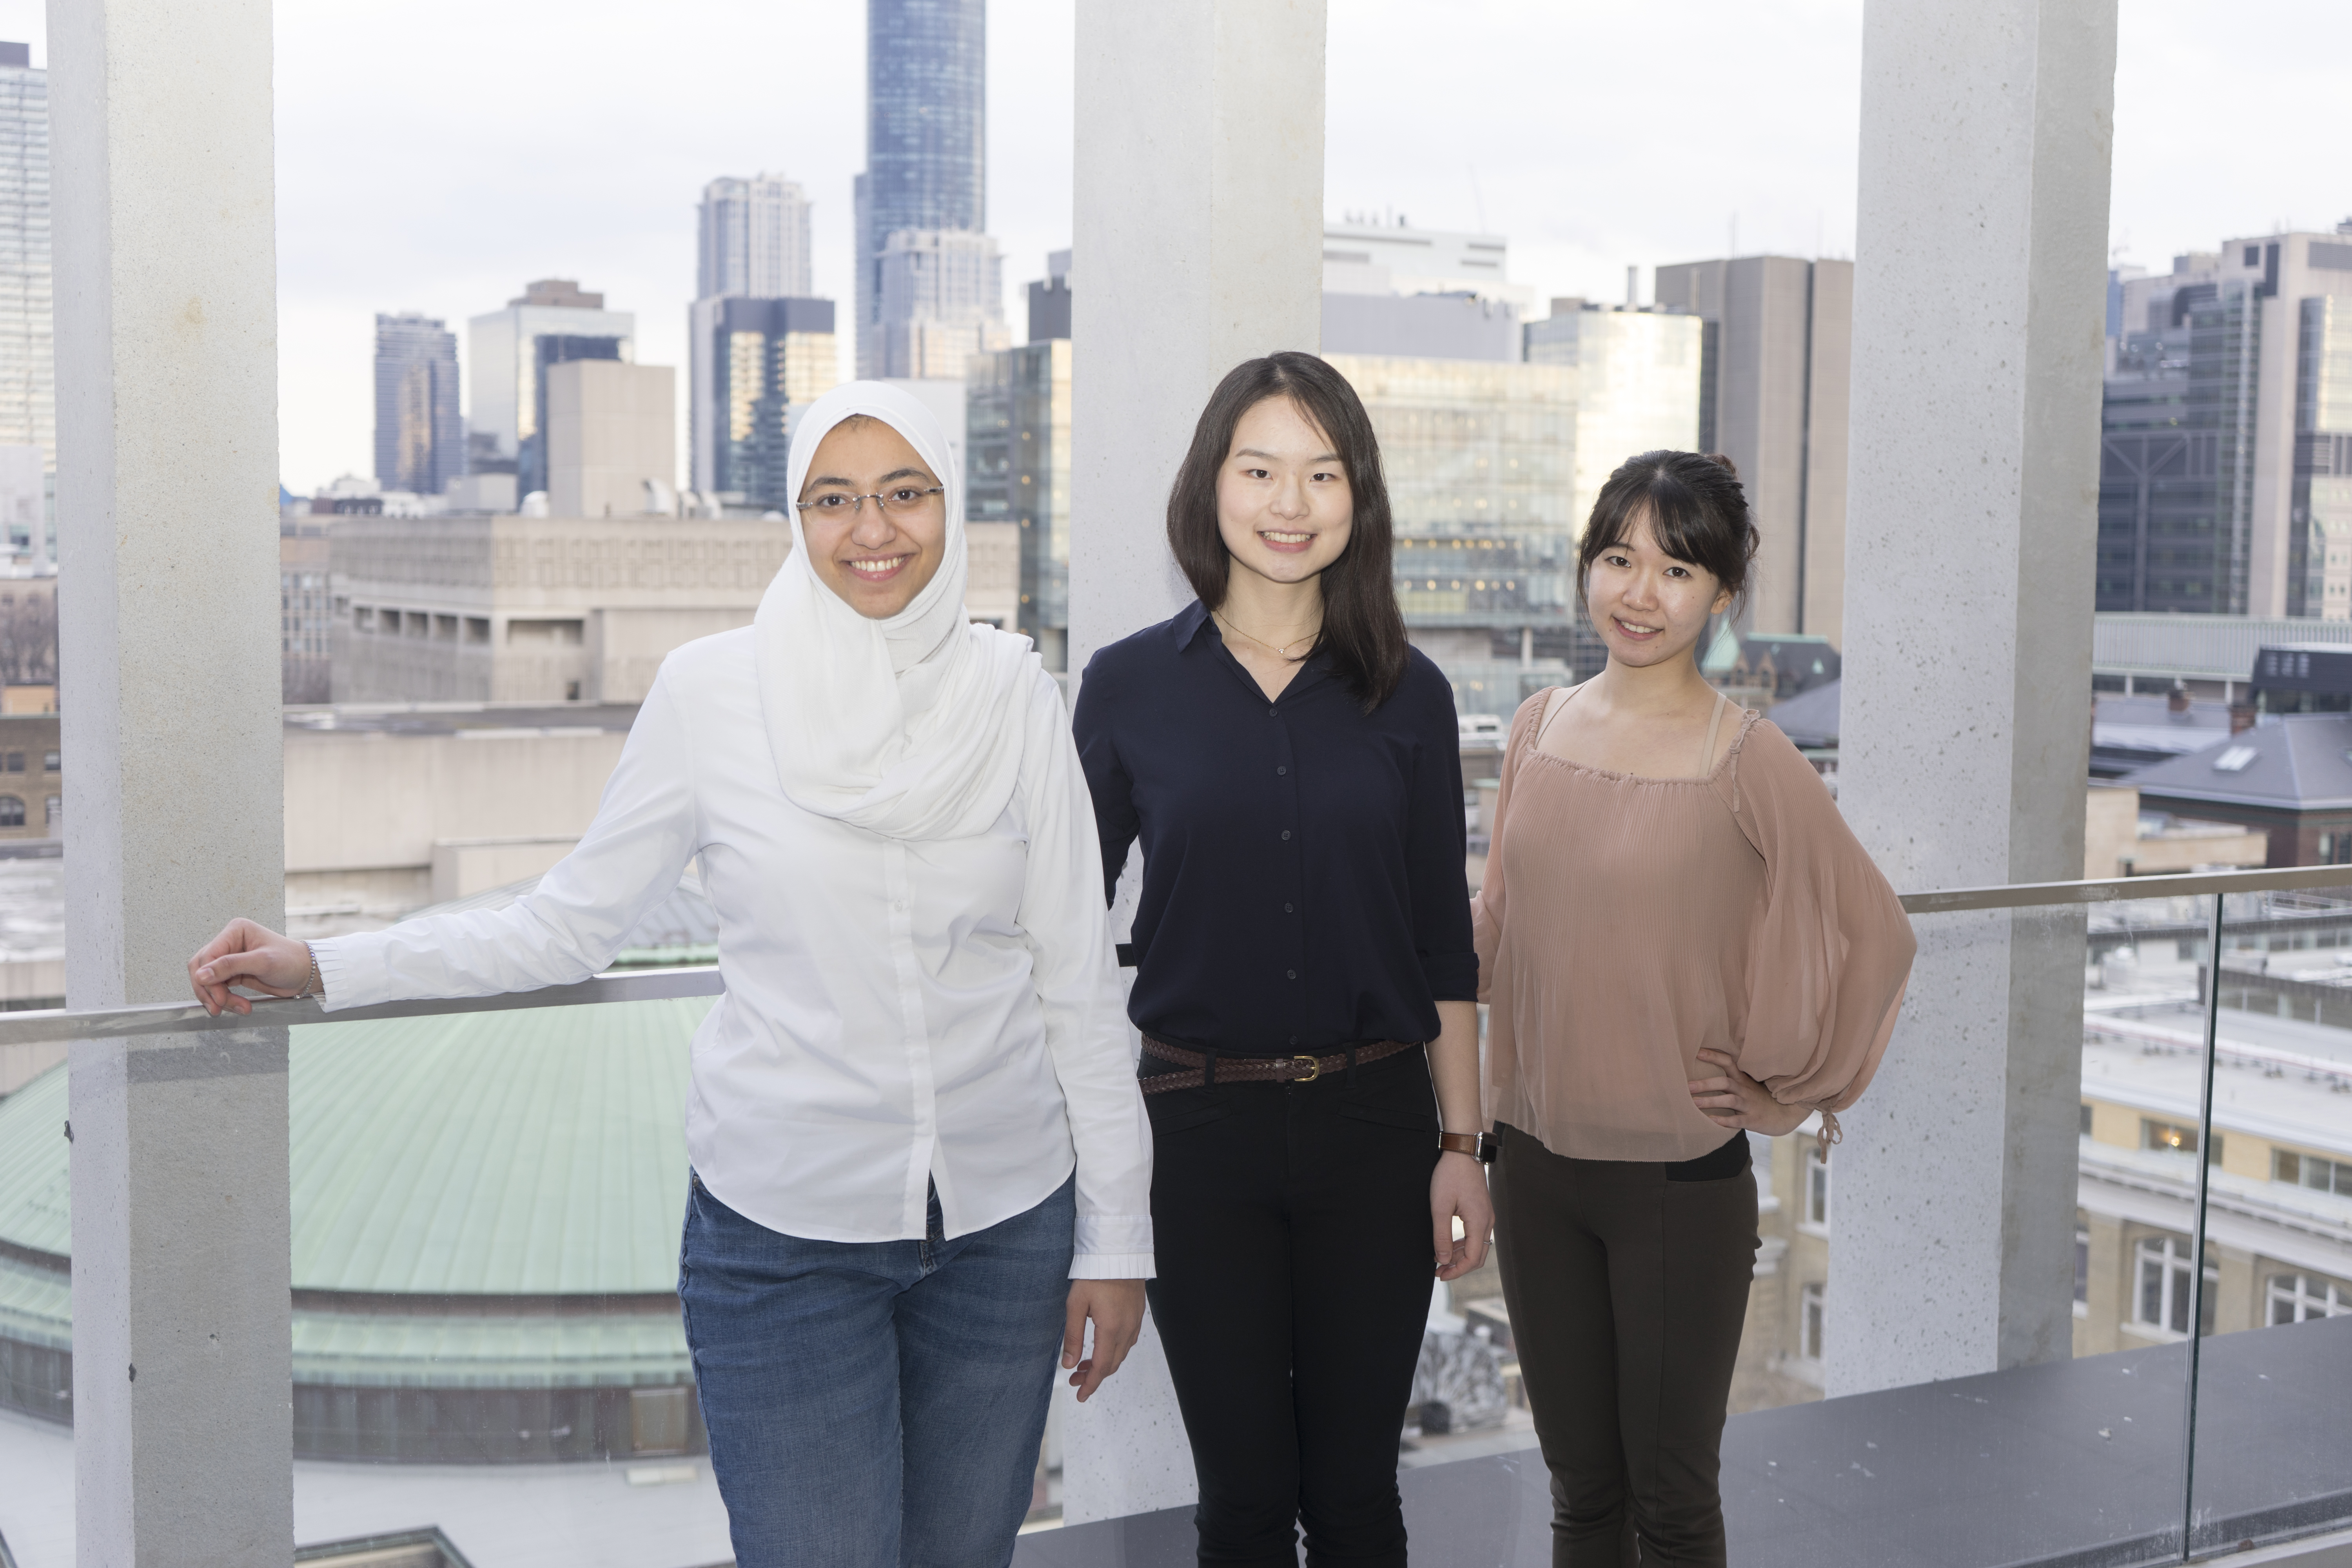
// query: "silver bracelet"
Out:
[312,985]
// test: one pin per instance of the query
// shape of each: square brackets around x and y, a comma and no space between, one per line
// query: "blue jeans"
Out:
[874,1404]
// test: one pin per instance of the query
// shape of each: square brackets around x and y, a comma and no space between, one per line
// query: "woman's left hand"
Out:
[1736,1100]
[1457,1189]
[1117,1308]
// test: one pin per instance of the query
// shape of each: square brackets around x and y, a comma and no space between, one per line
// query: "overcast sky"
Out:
[435,154]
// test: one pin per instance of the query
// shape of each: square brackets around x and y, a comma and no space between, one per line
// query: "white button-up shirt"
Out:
[898,1013]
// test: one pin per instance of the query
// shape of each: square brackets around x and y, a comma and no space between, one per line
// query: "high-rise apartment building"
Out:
[753,362]
[1017,466]
[754,239]
[1775,387]
[1638,379]
[942,301]
[509,352]
[27,357]
[420,431]
[926,163]
[2226,459]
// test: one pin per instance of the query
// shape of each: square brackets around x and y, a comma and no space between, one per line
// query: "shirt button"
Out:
[1292,972]
[1293,1039]
[1282,770]
[1285,833]
[1286,909]
[1271,710]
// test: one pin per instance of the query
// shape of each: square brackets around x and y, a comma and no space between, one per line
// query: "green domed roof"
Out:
[531,1152]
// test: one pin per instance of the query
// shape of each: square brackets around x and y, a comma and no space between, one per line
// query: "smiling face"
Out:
[1649,607]
[875,559]
[1284,506]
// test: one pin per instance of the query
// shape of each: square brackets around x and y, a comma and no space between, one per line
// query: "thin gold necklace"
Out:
[1282,653]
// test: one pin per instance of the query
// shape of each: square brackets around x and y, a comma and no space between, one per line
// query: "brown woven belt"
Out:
[1254,1070]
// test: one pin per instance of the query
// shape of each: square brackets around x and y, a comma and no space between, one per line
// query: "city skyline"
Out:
[1760,120]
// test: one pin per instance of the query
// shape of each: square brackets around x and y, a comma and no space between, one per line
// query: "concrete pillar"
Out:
[167,449]
[1198,243]
[1986,127]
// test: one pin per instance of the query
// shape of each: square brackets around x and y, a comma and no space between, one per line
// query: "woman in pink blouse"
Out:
[1682,943]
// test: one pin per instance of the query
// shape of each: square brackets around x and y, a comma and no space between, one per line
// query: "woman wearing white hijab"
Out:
[921,1162]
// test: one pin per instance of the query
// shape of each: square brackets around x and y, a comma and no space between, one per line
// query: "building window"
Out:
[1817,1185]
[2081,1267]
[2311,1170]
[2180,1139]
[1809,1322]
[2162,1299]
[2298,1298]
[53,811]
[53,762]
[15,762]
[2087,1119]
[11,810]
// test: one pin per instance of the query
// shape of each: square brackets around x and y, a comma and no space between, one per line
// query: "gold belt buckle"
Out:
[1314,1069]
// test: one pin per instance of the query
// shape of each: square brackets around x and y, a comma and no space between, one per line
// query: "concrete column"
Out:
[1198,243]
[167,448]
[1986,127]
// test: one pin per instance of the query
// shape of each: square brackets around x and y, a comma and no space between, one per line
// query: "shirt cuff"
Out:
[352,973]
[1451,977]
[1112,1246]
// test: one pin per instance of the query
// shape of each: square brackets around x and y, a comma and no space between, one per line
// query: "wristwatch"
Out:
[1479,1146]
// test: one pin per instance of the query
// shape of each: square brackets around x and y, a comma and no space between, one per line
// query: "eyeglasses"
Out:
[903,502]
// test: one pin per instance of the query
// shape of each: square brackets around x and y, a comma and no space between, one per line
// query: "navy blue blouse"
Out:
[1303,878]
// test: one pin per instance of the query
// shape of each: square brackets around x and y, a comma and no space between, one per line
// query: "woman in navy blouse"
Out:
[1306,982]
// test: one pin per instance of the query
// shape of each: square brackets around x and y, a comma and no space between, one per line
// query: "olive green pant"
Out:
[1627,1293]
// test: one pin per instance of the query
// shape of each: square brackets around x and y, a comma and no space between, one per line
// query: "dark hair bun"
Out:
[1696,507]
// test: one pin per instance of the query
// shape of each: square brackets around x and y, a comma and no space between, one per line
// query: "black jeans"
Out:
[1627,1285]
[1295,1257]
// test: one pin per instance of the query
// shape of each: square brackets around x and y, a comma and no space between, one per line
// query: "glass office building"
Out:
[1481,463]
[28,359]
[1637,385]
[1017,461]
[753,362]
[420,432]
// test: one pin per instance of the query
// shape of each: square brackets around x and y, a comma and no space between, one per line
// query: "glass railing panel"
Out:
[486,1342]
[2073,1458]
[2276,1359]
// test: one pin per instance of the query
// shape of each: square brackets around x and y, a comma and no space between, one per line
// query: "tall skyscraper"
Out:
[926,164]
[27,358]
[754,363]
[943,295]
[420,432]
[509,352]
[755,240]
[1775,381]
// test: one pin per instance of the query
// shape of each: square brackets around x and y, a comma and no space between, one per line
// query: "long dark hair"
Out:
[1698,512]
[1364,632]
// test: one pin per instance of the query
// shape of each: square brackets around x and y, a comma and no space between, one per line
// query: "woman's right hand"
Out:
[252,956]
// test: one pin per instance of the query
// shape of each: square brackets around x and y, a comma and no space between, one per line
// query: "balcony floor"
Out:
[2072,1465]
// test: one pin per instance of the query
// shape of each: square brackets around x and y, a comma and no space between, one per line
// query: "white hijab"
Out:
[909,727]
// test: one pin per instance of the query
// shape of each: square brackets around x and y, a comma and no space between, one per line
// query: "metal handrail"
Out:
[56,1025]
[51,1026]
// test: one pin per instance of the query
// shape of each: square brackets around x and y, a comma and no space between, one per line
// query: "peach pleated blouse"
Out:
[1626,923]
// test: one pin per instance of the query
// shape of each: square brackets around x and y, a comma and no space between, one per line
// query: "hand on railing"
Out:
[254,957]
